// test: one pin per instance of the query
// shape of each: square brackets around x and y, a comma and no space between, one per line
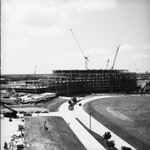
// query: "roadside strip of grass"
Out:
[45,133]
[128,131]
[99,138]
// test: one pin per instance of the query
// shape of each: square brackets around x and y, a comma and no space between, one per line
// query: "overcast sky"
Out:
[37,32]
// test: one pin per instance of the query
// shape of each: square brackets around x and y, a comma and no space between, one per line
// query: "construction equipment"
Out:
[107,64]
[12,114]
[145,88]
[35,69]
[13,92]
[85,57]
[115,57]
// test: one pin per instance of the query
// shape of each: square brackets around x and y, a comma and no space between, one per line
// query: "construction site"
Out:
[72,82]
[87,81]
[64,103]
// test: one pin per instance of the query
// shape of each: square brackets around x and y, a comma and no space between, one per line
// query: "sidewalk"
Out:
[96,126]
[85,137]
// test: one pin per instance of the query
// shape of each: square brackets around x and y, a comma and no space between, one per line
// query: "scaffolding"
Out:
[72,82]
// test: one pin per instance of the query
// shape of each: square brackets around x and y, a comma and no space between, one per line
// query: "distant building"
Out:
[71,82]
[3,81]
[143,76]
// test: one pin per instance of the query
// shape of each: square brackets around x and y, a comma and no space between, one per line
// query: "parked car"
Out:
[27,114]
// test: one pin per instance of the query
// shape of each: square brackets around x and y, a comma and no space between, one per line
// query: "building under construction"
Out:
[71,82]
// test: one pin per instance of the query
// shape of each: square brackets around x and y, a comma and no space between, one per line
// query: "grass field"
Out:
[126,116]
[57,136]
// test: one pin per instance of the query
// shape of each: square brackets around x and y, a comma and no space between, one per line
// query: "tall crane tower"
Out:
[107,64]
[115,57]
[85,57]
[35,69]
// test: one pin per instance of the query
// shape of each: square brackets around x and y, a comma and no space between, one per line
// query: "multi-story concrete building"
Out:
[71,82]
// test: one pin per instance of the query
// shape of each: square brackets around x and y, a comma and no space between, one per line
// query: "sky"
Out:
[36,36]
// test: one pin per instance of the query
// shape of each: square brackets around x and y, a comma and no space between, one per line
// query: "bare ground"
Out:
[56,136]
[50,106]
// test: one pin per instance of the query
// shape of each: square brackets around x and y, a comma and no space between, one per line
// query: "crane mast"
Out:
[115,57]
[107,64]
[35,69]
[85,57]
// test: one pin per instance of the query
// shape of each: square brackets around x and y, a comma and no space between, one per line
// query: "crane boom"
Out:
[77,42]
[115,57]
[85,57]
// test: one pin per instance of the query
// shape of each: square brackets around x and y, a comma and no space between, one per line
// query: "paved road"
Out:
[87,140]
[96,126]
[69,116]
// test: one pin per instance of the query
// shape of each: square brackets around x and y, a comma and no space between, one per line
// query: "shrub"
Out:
[69,102]
[20,127]
[74,99]
[125,148]
[5,145]
[107,135]
[110,144]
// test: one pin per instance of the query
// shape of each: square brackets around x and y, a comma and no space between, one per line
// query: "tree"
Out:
[125,148]
[107,136]
[74,99]
[110,144]
[5,145]
[69,102]
[20,127]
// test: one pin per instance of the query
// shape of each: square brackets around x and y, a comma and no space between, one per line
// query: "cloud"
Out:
[47,17]
[14,49]
[140,57]
[147,47]
[126,47]
[80,5]
[94,51]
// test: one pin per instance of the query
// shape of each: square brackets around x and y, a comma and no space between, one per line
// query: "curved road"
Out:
[84,136]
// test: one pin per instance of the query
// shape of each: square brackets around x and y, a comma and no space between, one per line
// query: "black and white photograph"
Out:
[75,75]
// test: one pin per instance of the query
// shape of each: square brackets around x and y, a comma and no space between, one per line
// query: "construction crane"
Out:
[115,57]
[35,69]
[107,64]
[34,74]
[85,57]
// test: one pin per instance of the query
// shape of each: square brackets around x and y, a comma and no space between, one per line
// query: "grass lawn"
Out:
[127,116]
[57,136]
[54,104]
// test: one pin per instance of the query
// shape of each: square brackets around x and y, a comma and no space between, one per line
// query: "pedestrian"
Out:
[46,128]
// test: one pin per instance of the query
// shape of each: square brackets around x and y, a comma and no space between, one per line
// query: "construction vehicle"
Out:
[85,57]
[12,114]
[115,57]
[145,88]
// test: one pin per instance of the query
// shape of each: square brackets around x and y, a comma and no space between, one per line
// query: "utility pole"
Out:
[90,114]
